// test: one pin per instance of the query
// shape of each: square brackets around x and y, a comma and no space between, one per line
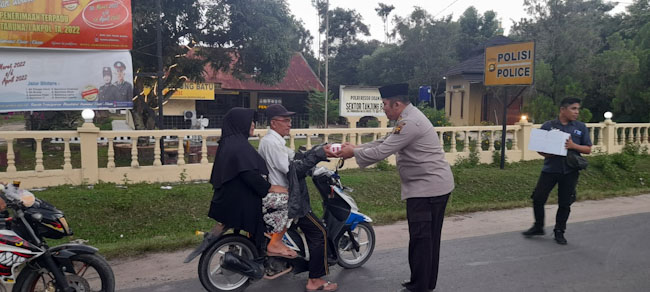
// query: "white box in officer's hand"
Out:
[551,142]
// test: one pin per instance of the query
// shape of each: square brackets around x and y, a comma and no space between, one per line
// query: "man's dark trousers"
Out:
[566,196]
[425,217]
[316,237]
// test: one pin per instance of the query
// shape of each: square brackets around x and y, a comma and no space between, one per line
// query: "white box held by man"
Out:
[551,142]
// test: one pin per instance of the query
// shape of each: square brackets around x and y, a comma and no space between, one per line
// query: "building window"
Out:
[451,104]
[462,104]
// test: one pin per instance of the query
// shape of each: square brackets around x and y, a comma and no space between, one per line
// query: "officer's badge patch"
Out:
[399,127]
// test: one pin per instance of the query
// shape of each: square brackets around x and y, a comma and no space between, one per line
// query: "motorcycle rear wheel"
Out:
[92,274]
[216,279]
[348,257]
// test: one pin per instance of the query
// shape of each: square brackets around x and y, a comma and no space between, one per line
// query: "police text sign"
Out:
[360,101]
[511,64]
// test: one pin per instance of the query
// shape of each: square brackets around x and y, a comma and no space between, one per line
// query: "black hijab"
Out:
[235,154]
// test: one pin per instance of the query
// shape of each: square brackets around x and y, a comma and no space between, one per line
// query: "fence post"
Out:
[88,135]
[609,136]
[523,139]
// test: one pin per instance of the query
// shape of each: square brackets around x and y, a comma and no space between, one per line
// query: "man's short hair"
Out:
[569,101]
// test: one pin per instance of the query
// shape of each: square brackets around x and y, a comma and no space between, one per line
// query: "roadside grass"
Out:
[12,119]
[138,218]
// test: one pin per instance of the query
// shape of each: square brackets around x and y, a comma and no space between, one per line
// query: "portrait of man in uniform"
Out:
[124,88]
[108,91]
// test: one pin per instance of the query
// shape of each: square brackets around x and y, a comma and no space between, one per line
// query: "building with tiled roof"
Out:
[467,101]
[292,92]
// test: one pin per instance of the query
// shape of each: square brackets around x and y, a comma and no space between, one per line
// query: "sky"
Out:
[507,11]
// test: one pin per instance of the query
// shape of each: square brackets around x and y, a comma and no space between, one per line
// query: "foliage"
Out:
[585,115]
[383,11]
[438,118]
[472,160]
[475,29]
[220,33]
[384,165]
[53,120]
[540,109]
[316,108]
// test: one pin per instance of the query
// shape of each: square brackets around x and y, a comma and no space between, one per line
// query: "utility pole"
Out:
[327,47]
[159,87]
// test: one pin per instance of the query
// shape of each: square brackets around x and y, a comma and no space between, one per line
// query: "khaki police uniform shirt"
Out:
[421,162]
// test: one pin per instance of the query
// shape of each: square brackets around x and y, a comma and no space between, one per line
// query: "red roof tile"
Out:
[299,77]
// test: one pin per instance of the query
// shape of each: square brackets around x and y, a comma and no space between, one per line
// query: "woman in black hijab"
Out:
[239,178]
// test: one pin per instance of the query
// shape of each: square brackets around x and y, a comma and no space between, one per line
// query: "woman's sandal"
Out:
[323,287]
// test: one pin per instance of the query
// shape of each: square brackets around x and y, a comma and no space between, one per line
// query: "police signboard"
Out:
[360,101]
[511,64]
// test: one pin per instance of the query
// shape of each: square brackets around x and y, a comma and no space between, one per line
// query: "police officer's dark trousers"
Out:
[425,217]
[566,196]
[316,237]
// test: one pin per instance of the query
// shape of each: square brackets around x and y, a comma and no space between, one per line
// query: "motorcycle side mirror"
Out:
[340,164]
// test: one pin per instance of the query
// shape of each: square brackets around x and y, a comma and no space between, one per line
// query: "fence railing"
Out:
[88,155]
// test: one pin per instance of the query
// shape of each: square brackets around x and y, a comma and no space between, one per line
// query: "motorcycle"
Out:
[27,262]
[232,261]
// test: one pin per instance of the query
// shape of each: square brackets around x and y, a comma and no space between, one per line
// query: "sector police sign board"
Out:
[511,64]
[360,101]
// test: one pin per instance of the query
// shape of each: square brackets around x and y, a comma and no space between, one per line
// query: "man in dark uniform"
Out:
[426,178]
[124,88]
[108,91]
[556,170]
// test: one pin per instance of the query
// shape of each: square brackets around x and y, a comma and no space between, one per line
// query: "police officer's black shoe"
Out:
[535,230]
[559,236]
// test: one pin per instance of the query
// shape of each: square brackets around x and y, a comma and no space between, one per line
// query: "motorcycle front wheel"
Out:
[213,277]
[349,257]
[91,274]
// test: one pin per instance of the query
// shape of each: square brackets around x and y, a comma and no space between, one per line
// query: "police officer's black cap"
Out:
[277,110]
[119,65]
[394,90]
[107,71]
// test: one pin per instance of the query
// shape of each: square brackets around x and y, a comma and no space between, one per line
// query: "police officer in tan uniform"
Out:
[426,178]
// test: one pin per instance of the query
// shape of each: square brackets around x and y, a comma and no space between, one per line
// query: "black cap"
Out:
[394,90]
[277,110]
[119,65]
[107,71]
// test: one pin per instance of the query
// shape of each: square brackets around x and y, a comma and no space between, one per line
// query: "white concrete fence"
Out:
[189,160]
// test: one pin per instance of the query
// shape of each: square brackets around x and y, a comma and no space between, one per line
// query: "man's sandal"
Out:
[324,287]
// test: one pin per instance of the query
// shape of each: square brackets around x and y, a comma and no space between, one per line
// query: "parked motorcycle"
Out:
[27,262]
[232,262]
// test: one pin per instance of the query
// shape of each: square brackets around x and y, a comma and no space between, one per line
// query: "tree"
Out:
[474,31]
[383,11]
[316,108]
[345,26]
[239,36]
[428,48]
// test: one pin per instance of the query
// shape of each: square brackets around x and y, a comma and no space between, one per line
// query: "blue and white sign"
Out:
[37,80]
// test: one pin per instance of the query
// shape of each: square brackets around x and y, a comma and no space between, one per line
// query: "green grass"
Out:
[143,217]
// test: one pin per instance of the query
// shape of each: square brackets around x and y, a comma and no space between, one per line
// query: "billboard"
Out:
[32,80]
[190,91]
[511,64]
[360,101]
[66,24]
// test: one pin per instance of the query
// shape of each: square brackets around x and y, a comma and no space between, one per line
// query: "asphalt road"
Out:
[603,255]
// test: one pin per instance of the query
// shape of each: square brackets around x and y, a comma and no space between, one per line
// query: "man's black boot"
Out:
[535,230]
[559,236]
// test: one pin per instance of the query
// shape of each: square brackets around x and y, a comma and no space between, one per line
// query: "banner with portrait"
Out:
[66,24]
[34,80]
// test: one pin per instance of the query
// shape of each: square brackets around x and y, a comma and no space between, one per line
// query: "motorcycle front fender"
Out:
[63,253]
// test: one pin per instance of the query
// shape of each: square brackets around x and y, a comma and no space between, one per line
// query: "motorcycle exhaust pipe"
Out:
[243,266]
